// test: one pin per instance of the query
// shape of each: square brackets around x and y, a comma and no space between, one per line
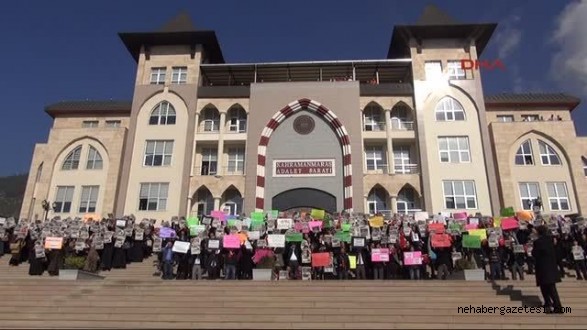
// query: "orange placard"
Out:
[91,216]
[441,240]
[54,243]
[438,228]
[320,259]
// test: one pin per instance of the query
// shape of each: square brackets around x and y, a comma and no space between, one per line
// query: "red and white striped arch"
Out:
[336,125]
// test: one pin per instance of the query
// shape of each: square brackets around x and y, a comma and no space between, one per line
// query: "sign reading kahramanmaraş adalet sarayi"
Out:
[303,167]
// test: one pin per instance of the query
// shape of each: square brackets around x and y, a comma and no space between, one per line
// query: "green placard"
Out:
[346,227]
[456,226]
[343,236]
[294,237]
[232,222]
[471,241]
[508,212]
[273,214]
[193,221]
[257,216]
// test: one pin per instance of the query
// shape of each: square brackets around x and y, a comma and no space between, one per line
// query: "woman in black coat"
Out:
[547,274]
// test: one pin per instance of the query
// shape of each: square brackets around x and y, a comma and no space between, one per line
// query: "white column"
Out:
[188,212]
[390,162]
[216,203]
[220,165]
[393,199]
[197,128]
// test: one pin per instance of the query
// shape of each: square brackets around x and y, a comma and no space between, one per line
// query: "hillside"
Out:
[11,193]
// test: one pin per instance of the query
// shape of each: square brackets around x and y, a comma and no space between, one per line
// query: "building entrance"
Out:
[304,198]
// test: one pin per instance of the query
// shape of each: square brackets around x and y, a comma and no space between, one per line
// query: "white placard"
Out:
[303,167]
[2,221]
[421,216]
[213,244]
[276,240]
[284,224]
[181,247]
[121,223]
[254,235]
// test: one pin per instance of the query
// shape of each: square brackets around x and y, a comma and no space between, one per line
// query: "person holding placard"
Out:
[515,260]
[36,267]
[546,269]
[167,256]
[579,260]
[294,257]
[342,264]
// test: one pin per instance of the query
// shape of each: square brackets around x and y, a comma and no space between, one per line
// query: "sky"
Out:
[69,49]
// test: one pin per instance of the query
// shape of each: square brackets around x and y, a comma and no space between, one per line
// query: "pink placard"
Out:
[460,216]
[509,223]
[231,242]
[314,224]
[471,226]
[413,258]
[380,255]
[218,215]
[302,227]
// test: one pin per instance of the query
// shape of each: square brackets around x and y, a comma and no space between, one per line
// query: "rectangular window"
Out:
[153,196]
[433,70]
[459,195]
[158,153]
[238,124]
[158,76]
[236,160]
[505,118]
[63,199]
[113,123]
[89,199]
[179,75]
[455,70]
[401,160]
[90,123]
[530,118]
[558,196]
[375,158]
[454,149]
[529,192]
[209,161]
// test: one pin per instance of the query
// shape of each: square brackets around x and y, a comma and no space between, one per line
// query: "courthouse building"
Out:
[412,131]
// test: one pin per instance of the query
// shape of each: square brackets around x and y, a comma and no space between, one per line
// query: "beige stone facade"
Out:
[422,135]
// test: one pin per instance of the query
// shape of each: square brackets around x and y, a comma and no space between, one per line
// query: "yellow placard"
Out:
[317,214]
[93,216]
[497,222]
[482,233]
[353,262]
[376,222]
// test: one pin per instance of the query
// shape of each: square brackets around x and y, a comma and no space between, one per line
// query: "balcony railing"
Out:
[372,126]
[214,170]
[397,125]
[406,169]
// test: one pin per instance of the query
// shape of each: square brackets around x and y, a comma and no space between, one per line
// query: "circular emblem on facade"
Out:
[304,124]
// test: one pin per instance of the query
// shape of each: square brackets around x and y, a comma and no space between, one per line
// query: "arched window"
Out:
[237,120]
[72,160]
[548,155]
[373,118]
[163,114]
[449,109]
[94,160]
[524,154]
[377,200]
[211,119]
[584,165]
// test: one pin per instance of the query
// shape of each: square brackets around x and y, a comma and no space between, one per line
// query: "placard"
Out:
[121,223]
[441,240]
[157,243]
[39,252]
[303,168]
[578,253]
[294,237]
[380,255]
[284,224]
[519,248]
[166,232]
[437,228]
[306,255]
[254,235]
[276,240]
[359,241]
[139,235]
[456,256]
[321,259]
[53,243]
[181,247]
[306,273]
[413,258]
[214,244]
[471,241]
[231,242]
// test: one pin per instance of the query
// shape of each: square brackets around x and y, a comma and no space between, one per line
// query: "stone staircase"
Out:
[133,298]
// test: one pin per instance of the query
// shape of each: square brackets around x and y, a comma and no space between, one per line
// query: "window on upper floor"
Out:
[373,118]
[94,159]
[459,195]
[524,154]
[90,124]
[153,196]
[530,117]
[236,160]
[454,149]
[113,123]
[158,153]
[158,76]
[455,70]
[505,118]
[558,196]
[71,161]
[449,109]
[89,199]
[163,114]
[211,119]
[375,158]
[529,192]
[179,75]
[548,155]
[209,161]
[237,120]
[433,70]
[63,199]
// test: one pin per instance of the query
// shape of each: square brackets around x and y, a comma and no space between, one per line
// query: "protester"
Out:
[546,269]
